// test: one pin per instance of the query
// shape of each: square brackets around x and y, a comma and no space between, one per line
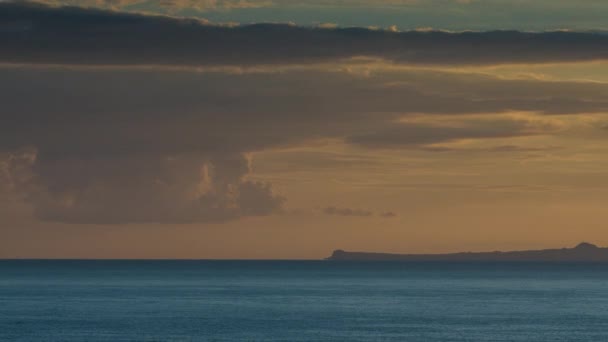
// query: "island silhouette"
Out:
[582,252]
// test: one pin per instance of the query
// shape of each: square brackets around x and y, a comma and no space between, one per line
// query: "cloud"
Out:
[179,189]
[337,211]
[424,134]
[347,212]
[121,113]
[32,33]
[168,5]
[15,170]
[112,145]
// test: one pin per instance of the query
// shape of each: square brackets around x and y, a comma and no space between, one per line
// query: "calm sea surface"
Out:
[301,301]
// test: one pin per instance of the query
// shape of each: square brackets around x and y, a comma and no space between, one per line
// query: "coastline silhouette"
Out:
[582,252]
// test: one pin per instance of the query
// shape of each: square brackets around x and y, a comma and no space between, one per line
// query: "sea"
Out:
[197,300]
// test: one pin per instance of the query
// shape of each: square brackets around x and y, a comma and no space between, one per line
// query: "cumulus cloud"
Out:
[32,33]
[16,170]
[177,189]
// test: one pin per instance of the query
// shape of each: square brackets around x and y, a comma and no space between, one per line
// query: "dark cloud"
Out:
[118,113]
[116,146]
[420,134]
[179,189]
[515,148]
[162,6]
[31,33]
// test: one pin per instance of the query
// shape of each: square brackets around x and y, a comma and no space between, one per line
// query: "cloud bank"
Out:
[167,5]
[122,146]
[33,33]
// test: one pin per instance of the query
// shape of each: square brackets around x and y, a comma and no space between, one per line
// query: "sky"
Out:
[276,129]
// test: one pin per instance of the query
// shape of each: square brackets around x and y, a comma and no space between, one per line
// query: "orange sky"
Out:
[296,157]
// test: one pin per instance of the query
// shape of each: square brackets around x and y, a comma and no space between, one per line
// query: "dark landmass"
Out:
[582,252]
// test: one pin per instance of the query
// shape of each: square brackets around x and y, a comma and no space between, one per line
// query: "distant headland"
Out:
[582,252]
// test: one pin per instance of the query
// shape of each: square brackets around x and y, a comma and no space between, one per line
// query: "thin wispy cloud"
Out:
[356,212]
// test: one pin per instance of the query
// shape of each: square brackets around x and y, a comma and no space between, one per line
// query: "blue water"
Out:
[301,301]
